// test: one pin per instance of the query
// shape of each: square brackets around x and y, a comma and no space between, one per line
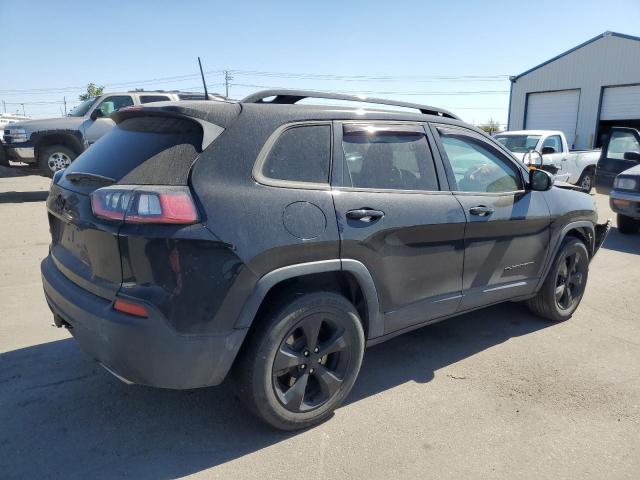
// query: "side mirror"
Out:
[533,159]
[97,113]
[633,156]
[548,150]
[540,180]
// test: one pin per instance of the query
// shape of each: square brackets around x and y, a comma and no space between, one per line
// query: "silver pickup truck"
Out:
[54,143]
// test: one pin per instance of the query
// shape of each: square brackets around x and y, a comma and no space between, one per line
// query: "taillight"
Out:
[145,204]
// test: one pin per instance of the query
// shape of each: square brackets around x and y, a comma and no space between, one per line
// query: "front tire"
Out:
[564,286]
[626,224]
[586,180]
[301,362]
[54,158]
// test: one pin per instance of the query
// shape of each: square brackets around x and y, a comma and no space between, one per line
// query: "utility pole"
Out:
[24,114]
[227,79]
[4,106]
[64,99]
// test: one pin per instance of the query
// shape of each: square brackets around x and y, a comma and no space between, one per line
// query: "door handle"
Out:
[481,211]
[365,214]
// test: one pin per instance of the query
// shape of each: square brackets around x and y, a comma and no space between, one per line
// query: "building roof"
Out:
[598,37]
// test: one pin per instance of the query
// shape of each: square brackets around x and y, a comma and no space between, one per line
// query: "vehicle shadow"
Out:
[622,242]
[62,415]
[21,197]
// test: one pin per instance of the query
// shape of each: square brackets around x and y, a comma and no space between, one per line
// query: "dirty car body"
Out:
[270,198]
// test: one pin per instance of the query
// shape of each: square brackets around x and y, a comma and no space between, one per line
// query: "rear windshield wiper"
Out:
[88,177]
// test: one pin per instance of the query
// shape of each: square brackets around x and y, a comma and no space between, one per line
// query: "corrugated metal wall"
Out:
[608,61]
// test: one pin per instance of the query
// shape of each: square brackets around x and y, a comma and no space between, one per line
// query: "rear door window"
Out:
[153,98]
[300,154]
[388,157]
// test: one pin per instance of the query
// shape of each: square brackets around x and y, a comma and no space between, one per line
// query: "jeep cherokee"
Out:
[275,240]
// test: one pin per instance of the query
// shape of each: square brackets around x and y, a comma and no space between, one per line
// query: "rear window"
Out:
[153,98]
[144,150]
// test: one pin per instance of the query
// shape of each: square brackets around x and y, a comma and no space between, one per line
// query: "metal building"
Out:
[583,91]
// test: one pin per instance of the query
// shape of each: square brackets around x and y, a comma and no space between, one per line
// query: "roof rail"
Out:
[294,96]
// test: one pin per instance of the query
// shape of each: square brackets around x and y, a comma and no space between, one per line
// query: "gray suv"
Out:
[53,143]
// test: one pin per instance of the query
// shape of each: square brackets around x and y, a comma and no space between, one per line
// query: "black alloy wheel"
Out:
[302,359]
[570,280]
[564,285]
[310,363]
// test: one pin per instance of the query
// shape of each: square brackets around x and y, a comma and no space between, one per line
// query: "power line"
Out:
[380,78]
[378,92]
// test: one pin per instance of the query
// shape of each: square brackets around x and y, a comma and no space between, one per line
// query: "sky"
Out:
[455,55]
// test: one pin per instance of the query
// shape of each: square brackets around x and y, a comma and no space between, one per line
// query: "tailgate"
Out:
[83,248]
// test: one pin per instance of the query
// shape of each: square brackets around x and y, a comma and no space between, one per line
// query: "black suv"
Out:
[275,240]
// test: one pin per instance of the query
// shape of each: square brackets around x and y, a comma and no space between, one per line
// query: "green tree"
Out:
[92,91]
[490,126]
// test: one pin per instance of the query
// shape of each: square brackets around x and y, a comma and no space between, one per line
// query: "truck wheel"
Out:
[586,180]
[627,224]
[300,363]
[564,286]
[54,158]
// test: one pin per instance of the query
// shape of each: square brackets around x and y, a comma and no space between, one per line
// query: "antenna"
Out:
[206,93]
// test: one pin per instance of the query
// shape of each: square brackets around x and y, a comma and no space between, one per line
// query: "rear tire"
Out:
[586,180]
[564,286]
[627,224]
[301,361]
[54,158]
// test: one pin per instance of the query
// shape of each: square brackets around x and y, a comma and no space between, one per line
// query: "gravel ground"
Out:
[493,394]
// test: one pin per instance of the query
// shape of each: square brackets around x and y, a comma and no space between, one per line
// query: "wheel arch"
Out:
[347,277]
[583,230]
[69,138]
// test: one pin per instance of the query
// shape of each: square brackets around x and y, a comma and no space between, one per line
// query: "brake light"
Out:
[145,204]
[130,308]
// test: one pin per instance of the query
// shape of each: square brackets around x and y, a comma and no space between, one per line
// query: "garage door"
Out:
[620,103]
[553,111]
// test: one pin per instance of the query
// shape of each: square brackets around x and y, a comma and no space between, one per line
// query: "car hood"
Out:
[61,123]
[632,171]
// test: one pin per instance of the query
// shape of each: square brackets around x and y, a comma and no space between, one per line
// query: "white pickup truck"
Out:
[572,166]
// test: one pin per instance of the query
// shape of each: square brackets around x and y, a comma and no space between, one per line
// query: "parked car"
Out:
[54,143]
[276,240]
[620,152]
[624,199]
[573,166]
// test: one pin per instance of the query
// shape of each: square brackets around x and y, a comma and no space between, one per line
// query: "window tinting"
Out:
[153,98]
[301,154]
[388,160]
[144,150]
[477,167]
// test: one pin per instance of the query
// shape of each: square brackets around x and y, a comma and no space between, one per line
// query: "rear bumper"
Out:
[625,203]
[145,351]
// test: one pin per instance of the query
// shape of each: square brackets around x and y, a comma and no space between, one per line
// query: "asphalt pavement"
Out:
[497,393]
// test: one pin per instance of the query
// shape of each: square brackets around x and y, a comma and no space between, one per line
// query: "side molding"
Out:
[357,269]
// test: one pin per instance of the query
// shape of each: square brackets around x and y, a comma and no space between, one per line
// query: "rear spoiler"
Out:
[210,131]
